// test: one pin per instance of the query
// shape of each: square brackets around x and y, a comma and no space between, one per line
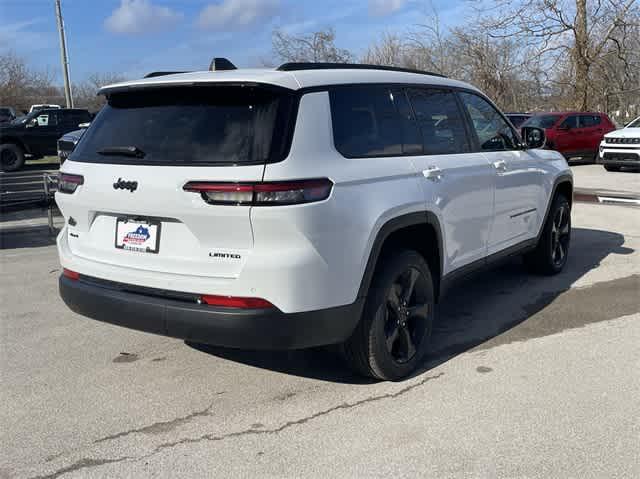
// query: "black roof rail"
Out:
[297,66]
[160,74]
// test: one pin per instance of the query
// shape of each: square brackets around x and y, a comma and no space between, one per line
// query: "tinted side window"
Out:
[411,137]
[440,121]
[366,122]
[570,122]
[589,120]
[493,132]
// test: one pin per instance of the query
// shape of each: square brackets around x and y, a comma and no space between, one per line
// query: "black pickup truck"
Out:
[36,134]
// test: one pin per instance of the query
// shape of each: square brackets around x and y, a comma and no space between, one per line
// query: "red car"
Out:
[577,135]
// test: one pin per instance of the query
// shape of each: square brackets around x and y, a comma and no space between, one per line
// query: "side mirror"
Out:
[533,137]
[33,122]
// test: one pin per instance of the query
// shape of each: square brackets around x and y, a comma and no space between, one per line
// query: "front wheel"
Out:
[552,249]
[393,334]
[11,157]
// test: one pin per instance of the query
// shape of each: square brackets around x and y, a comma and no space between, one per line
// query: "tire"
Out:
[612,168]
[550,255]
[393,334]
[11,157]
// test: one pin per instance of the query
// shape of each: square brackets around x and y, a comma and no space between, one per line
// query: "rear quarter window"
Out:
[367,122]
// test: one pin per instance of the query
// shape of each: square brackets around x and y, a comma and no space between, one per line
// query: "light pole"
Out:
[63,56]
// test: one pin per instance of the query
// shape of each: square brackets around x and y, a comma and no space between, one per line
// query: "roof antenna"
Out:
[218,64]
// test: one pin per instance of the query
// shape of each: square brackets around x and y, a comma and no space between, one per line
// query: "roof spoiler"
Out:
[219,64]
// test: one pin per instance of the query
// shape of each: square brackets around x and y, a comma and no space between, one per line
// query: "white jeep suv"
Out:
[309,205]
[621,148]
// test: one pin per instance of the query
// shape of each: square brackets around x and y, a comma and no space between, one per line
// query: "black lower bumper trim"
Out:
[246,329]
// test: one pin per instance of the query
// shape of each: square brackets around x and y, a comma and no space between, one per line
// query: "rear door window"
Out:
[440,121]
[192,126]
[587,121]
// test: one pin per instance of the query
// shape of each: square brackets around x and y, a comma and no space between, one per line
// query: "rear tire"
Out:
[612,168]
[11,157]
[393,334]
[552,249]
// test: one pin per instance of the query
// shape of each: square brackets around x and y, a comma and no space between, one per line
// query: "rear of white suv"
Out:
[289,209]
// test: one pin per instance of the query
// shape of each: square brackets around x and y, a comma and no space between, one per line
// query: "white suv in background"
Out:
[309,205]
[621,148]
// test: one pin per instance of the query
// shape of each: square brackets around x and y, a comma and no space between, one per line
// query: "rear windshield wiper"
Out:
[133,151]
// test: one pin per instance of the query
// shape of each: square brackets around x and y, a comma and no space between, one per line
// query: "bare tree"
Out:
[22,86]
[86,95]
[573,33]
[389,50]
[313,47]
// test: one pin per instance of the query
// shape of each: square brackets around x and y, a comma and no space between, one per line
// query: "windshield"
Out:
[191,126]
[634,124]
[542,121]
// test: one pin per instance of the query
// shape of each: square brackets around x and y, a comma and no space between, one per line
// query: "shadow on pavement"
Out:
[473,313]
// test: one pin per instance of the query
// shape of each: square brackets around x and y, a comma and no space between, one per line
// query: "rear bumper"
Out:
[246,329]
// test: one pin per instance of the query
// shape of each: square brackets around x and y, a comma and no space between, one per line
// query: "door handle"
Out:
[433,173]
[500,165]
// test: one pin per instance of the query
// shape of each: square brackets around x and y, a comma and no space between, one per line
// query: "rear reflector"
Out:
[69,183]
[235,302]
[262,194]
[70,274]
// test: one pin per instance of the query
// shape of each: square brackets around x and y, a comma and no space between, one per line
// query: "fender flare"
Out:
[391,226]
[561,179]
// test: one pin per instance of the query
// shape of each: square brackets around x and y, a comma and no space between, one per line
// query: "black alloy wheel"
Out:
[407,314]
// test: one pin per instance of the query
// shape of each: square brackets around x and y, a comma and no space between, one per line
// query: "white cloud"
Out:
[385,7]
[236,14]
[141,16]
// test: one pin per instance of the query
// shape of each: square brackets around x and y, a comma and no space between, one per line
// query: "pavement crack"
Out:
[159,427]
[84,463]
[297,422]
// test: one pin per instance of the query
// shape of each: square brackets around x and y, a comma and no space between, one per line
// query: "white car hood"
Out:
[624,133]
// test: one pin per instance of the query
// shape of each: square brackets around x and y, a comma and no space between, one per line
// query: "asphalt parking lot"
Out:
[528,377]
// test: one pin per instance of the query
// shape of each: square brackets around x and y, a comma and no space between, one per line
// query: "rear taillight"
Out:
[67,273]
[69,183]
[262,194]
[235,302]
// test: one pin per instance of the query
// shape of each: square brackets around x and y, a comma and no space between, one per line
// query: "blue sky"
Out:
[133,37]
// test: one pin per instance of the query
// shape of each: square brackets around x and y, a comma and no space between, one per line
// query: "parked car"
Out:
[517,119]
[44,107]
[36,135]
[621,148]
[308,205]
[576,135]
[7,114]
[68,141]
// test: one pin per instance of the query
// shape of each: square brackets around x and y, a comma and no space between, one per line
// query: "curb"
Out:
[584,195]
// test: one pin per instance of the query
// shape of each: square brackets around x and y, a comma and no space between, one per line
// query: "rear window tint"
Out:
[194,126]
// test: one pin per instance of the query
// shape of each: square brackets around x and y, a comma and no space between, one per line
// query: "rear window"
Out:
[542,121]
[194,126]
